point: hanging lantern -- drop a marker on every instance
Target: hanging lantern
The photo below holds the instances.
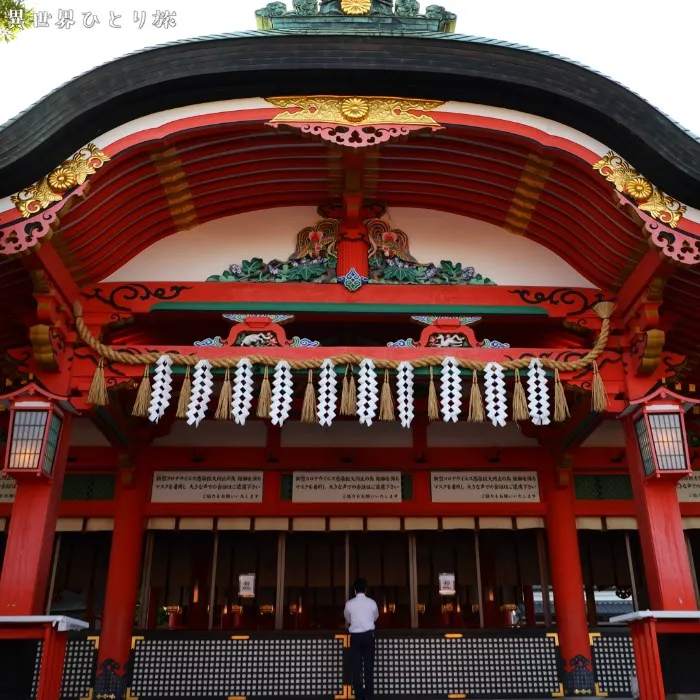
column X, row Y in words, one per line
column 659, row 425
column 37, row 421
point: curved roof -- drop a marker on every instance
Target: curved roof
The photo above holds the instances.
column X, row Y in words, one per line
column 428, row 66
column 239, row 167
column 473, row 167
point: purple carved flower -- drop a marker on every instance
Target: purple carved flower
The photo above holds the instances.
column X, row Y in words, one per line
column 274, row 271
column 235, row 269
column 430, row 271
column 295, row 263
column 468, row 273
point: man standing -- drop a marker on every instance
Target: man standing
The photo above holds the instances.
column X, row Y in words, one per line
column 361, row 613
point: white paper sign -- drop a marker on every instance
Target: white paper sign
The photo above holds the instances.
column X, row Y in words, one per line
column 447, row 584
column 207, row 487
column 346, row 487
column 8, row 486
column 689, row 489
column 246, row 585
column 480, row 487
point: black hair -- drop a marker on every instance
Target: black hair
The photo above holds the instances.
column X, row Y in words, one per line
column 360, row 586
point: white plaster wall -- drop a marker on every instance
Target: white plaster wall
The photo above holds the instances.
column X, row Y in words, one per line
column 493, row 251
column 433, row 236
column 194, row 255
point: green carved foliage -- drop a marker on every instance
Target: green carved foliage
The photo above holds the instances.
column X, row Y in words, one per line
column 382, row 271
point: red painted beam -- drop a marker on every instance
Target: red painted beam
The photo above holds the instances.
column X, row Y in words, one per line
column 653, row 264
column 553, row 302
column 46, row 259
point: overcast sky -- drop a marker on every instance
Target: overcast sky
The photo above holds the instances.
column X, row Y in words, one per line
column 651, row 47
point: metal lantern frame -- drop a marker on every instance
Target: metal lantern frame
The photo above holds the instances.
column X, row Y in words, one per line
column 659, row 426
column 37, row 421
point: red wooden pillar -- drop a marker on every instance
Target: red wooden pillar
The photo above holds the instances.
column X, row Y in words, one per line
column 567, row 584
column 647, row 660
column 666, row 562
column 25, row 569
column 122, row 583
column 52, row 662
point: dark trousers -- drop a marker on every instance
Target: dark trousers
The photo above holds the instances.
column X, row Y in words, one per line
column 362, row 658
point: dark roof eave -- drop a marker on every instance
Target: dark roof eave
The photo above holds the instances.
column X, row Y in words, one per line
column 430, row 66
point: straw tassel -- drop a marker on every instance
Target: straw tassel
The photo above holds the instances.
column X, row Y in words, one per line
column 143, row 397
column 348, row 399
column 308, row 409
column 97, row 395
column 476, row 403
column 520, row 412
column 561, row 408
column 386, row 403
column 604, row 309
column 433, row 406
column 264, row 398
column 223, row 410
column 185, row 395
column 599, row 396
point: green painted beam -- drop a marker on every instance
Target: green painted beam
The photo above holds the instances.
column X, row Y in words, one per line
column 354, row 308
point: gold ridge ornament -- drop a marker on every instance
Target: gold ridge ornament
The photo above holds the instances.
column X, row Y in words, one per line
column 646, row 196
column 53, row 187
column 355, row 121
column 356, row 8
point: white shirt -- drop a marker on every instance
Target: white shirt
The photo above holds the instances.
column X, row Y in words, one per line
column 361, row 613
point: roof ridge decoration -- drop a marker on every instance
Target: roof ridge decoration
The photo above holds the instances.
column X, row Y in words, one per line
column 658, row 213
column 316, row 15
column 355, row 122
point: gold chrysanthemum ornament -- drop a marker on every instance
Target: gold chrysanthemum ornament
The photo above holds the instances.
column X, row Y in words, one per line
column 355, row 109
column 356, row 7
column 62, row 179
column 638, row 188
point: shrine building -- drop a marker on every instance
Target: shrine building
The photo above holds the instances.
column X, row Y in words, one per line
column 350, row 295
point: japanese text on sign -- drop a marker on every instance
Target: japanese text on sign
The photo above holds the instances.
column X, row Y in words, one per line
column 207, row 487
column 246, row 585
column 689, row 489
column 346, row 487
column 484, row 487
column 8, row 486
column 447, row 584
column 67, row 18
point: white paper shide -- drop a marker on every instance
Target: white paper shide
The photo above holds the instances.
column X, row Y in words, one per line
column 207, row 487
column 484, row 487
